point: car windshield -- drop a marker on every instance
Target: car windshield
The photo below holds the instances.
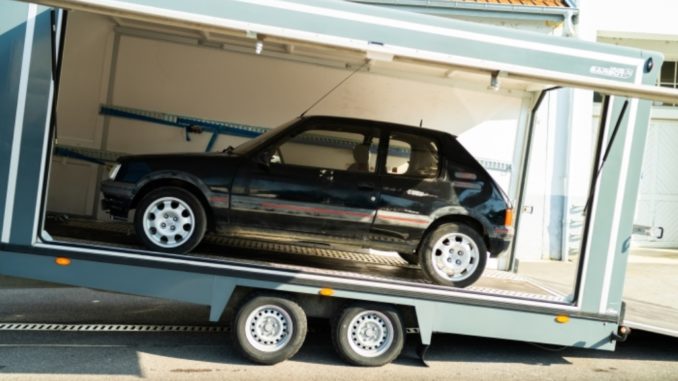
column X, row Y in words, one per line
column 255, row 142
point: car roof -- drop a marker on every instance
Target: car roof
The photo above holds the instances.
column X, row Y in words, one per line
column 399, row 127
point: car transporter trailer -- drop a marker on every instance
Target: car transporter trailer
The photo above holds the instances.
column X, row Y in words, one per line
column 369, row 313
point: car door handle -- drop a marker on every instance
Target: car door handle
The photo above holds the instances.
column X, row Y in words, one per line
column 326, row 174
column 365, row 186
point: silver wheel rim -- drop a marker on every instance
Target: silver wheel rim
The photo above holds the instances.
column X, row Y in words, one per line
column 269, row 328
column 370, row 334
column 168, row 222
column 455, row 256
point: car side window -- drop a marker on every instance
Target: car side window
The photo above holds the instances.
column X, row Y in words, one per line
column 328, row 149
column 412, row 155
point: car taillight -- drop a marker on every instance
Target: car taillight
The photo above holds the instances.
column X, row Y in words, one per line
column 508, row 218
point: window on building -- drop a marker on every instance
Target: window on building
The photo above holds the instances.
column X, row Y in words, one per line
column 669, row 77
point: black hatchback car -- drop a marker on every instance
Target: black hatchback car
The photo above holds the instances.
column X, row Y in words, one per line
column 329, row 180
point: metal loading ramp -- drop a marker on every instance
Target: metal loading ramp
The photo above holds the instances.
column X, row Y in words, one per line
column 299, row 257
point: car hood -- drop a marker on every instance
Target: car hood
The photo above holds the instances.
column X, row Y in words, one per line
column 216, row 168
column 180, row 156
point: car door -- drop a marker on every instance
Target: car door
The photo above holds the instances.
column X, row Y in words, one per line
column 411, row 187
column 309, row 181
column 354, row 190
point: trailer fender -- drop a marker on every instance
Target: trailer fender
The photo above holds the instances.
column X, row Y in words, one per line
column 222, row 289
column 426, row 312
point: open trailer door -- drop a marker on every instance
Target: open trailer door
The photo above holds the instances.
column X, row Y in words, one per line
column 394, row 44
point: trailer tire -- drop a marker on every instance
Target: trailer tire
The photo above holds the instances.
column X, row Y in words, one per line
column 368, row 334
column 171, row 220
column 269, row 329
column 454, row 254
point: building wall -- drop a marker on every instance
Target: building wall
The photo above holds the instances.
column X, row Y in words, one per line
column 550, row 195
column 650, row 26
column 649, row 19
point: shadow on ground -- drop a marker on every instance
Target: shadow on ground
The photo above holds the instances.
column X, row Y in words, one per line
column 122, row 353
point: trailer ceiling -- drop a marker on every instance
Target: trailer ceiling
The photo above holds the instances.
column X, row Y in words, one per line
column 402, row 37
column 322, row 55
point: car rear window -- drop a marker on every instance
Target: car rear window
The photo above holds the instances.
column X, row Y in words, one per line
column 412, row 155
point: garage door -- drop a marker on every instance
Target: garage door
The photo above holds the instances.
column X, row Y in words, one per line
column 658, row 195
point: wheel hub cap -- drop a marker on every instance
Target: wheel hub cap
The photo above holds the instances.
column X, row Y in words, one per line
column 168, row 222
column 269, row 328
column 370, row 333
column 455, row 256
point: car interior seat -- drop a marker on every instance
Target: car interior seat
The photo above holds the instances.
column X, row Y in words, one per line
column 361, row 155
column 423, row 162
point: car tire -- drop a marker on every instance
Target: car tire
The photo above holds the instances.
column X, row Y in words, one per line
column 269, row 329
column 454, row 254
column 368, row 334
column 171, row 220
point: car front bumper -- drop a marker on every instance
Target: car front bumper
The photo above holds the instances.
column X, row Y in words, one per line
column 117, row 198
column 500, row 240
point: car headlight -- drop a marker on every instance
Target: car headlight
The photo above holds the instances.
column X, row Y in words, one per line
column 114, row 171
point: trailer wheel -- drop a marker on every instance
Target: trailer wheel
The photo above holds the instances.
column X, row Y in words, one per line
column 453, row 254
column 170, row 219
column 368, row 334
column 269, row 330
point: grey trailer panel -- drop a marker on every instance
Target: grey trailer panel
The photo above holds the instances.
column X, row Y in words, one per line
column 36, row 119
column 344, row 25
column 214, row 290
column 28, row 129
column 13, row 57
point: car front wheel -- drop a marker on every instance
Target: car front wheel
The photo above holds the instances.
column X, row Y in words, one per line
column 453, row 254
column 170, row 219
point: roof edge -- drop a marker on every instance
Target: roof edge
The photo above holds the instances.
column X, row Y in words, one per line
column 566, row 15
column 571, row 9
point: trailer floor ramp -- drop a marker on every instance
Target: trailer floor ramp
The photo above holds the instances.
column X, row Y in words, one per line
column 296, row 256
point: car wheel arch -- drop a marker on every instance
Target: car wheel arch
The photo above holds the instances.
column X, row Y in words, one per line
column 157, row 182
column 457, row 218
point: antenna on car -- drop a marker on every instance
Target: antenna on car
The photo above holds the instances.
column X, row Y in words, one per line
column 421, row 122
column 335, row 87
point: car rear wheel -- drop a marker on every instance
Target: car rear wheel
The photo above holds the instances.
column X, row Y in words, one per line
column 368, row 334
column 453, row 254
column 270, row 329
column 170, row 219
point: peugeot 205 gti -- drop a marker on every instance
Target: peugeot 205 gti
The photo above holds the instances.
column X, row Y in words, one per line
column 331, row 180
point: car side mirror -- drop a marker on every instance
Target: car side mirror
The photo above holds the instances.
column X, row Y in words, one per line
column 275, row 159
column 263, row 158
